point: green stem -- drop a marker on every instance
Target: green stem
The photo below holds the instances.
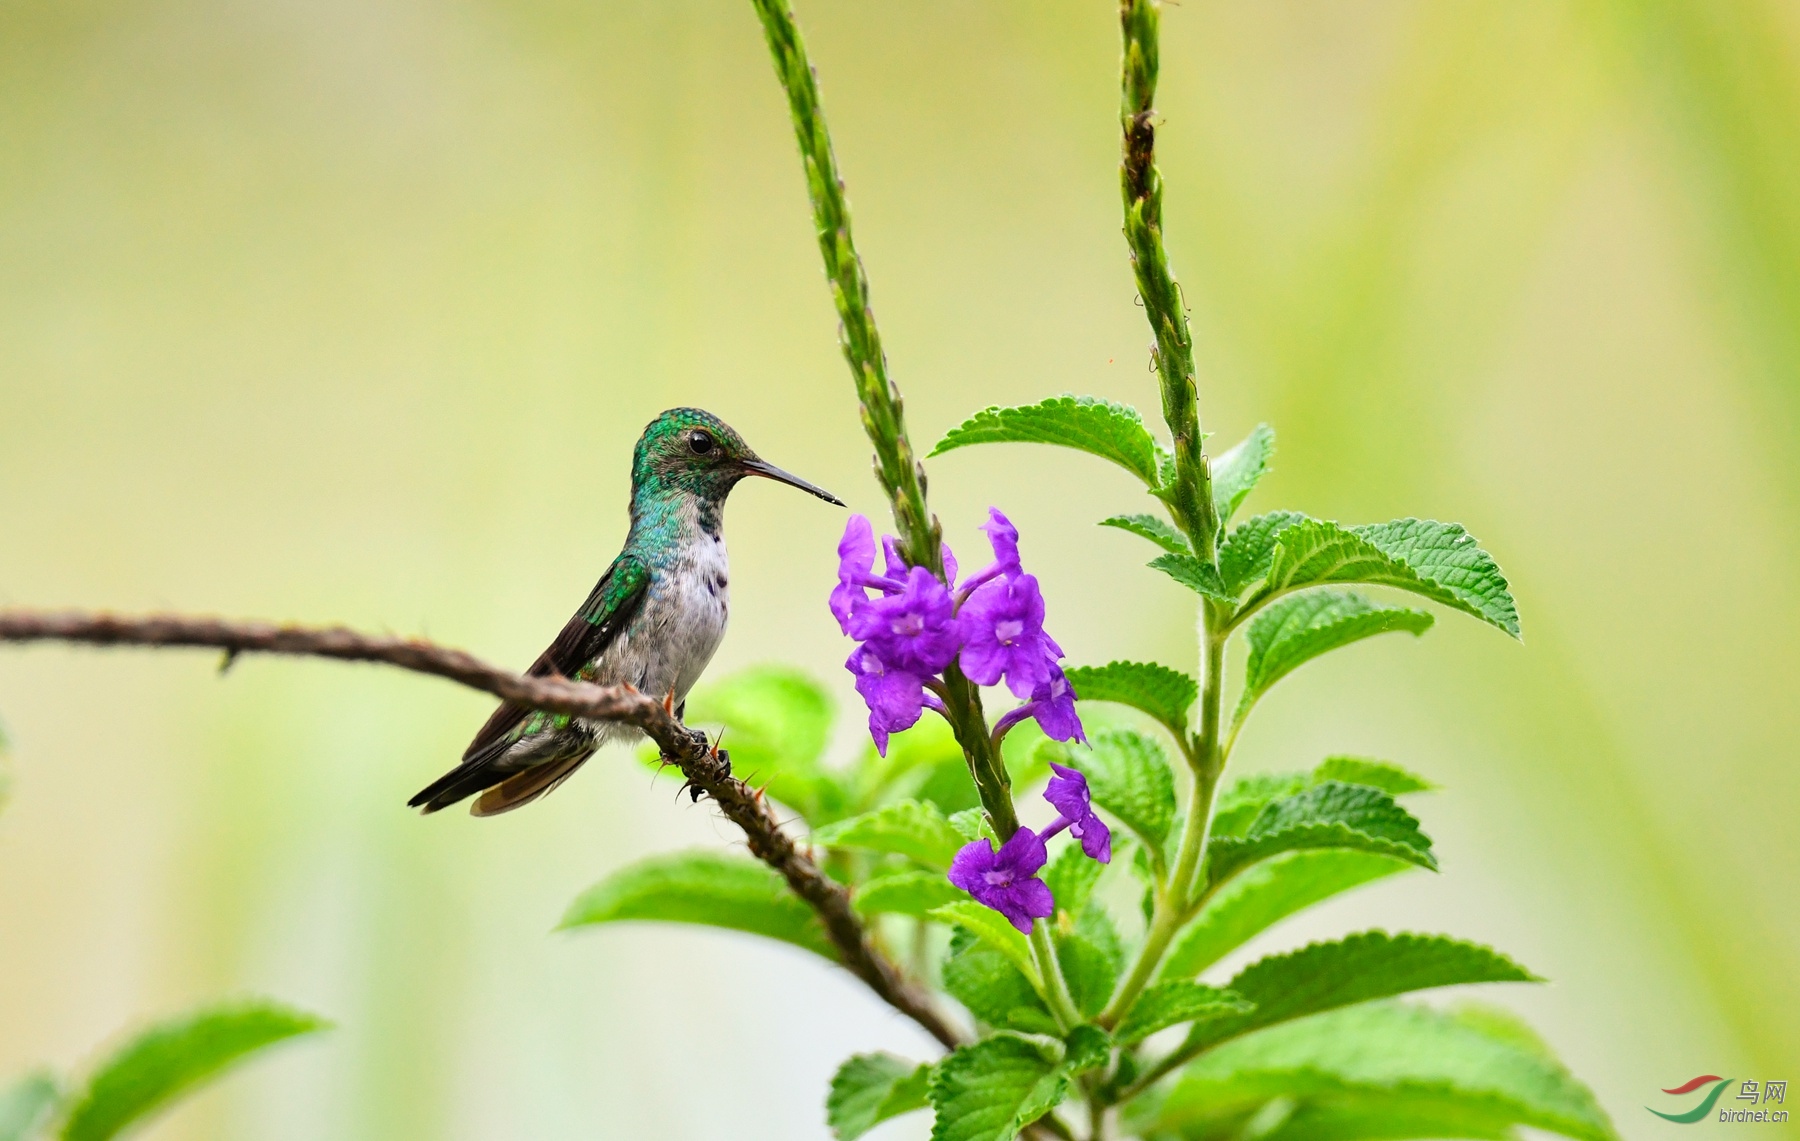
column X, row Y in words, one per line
column 1056, row 989
column 1190, row 496
column 883, row 413
column 882, row 410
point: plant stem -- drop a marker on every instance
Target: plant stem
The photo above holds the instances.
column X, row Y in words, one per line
column 882, row 410
column 1056, row 989
column 1190, row 496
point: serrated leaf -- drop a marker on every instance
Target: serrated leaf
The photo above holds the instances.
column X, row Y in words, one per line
column 1129, row 776
column 1091, row 956
column 996, row 931
column 993, row 1089
column 1263, row 895
column 972, row 824
column 870, row 1088
column 169, row 1059
column 1384, row 775
column 1236, row 473
column 776, row 722
column 1193, row 574
column 1089, row 1048
column 1158, row 531
column 1071, row 877
column 1328, row 815
column 26, row 1104
column 1163, row 693
column 1384, row 1062
column 1295, row 630
column 911, row 828
column 1100, row 427
column 905, row 893
column 1448, row 556
column 992, row 989
column 705, row 888
column 1245, row 554
column 1370, row 965
column 1439, row 561
column 1243, row 800
column 1171, row 1003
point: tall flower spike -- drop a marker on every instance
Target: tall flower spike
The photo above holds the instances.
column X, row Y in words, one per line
column 1068, row 794
column 1006, row 880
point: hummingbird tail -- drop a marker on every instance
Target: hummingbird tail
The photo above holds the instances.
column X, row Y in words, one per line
column 521, row 789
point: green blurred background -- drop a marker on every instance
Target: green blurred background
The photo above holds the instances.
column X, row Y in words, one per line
column 350, row 311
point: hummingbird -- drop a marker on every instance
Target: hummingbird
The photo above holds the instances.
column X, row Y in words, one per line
column 652, row 621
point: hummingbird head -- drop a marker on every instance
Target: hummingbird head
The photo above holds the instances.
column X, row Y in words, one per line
column 690, row 450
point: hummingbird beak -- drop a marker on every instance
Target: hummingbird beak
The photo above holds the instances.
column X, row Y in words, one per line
column 770, row 471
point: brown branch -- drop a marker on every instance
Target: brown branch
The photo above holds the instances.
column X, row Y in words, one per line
column 706, row 769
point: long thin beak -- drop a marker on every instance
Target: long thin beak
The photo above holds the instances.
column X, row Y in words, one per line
column 770, row 471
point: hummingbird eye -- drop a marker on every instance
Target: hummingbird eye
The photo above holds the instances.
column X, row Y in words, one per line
column 700, row 441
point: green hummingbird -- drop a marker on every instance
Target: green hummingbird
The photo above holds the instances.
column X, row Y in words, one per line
column 652, row 621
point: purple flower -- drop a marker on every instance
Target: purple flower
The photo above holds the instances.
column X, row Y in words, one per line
column 856, row 558
column 914, row 629
column 894, row 697
column 1053, row 704
column 1004, row 538
column 1068, row 794
column 1003, row 634
column 1006, row 880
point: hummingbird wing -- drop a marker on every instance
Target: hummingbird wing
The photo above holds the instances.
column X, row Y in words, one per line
column 609, row 608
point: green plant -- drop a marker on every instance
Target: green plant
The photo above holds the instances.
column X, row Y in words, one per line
column 1099, row 1007
column 146, row 1074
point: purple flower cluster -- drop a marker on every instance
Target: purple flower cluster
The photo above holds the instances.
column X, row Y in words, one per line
column 1006, row 880
column 916, row 625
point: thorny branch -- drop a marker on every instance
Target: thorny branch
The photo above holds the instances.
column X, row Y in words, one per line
column 706, row 769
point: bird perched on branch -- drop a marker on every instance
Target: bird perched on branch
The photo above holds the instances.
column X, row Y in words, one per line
column 652, row 621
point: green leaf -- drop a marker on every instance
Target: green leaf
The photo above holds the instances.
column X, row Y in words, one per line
column 1238, row 471
column 1091, row 956
column 992, row 989
column 1419, row 1072
column 996, row 931
column 172, row 1058
column 1111, row 431
column 1373, row 964
column 993, row 1089
column 777, row 723
column 870, row 1088
column 1171, row 1003
column 911, row 828
column 1071, row 877
column 25, row 1105
column 1158, row 531
column 1193, row 574
column 1088, row 1048
column 1328, row 815
column 1295, row 630
column 1439, row 561
column 1163, row 693
column 1243, row 799
column 972, row 824
column 905, row 893
column 1263, row 895
column 1389, row 778
column 1245, row 554
column 1446, row 555
column 706, row 888
column 1129, row 776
